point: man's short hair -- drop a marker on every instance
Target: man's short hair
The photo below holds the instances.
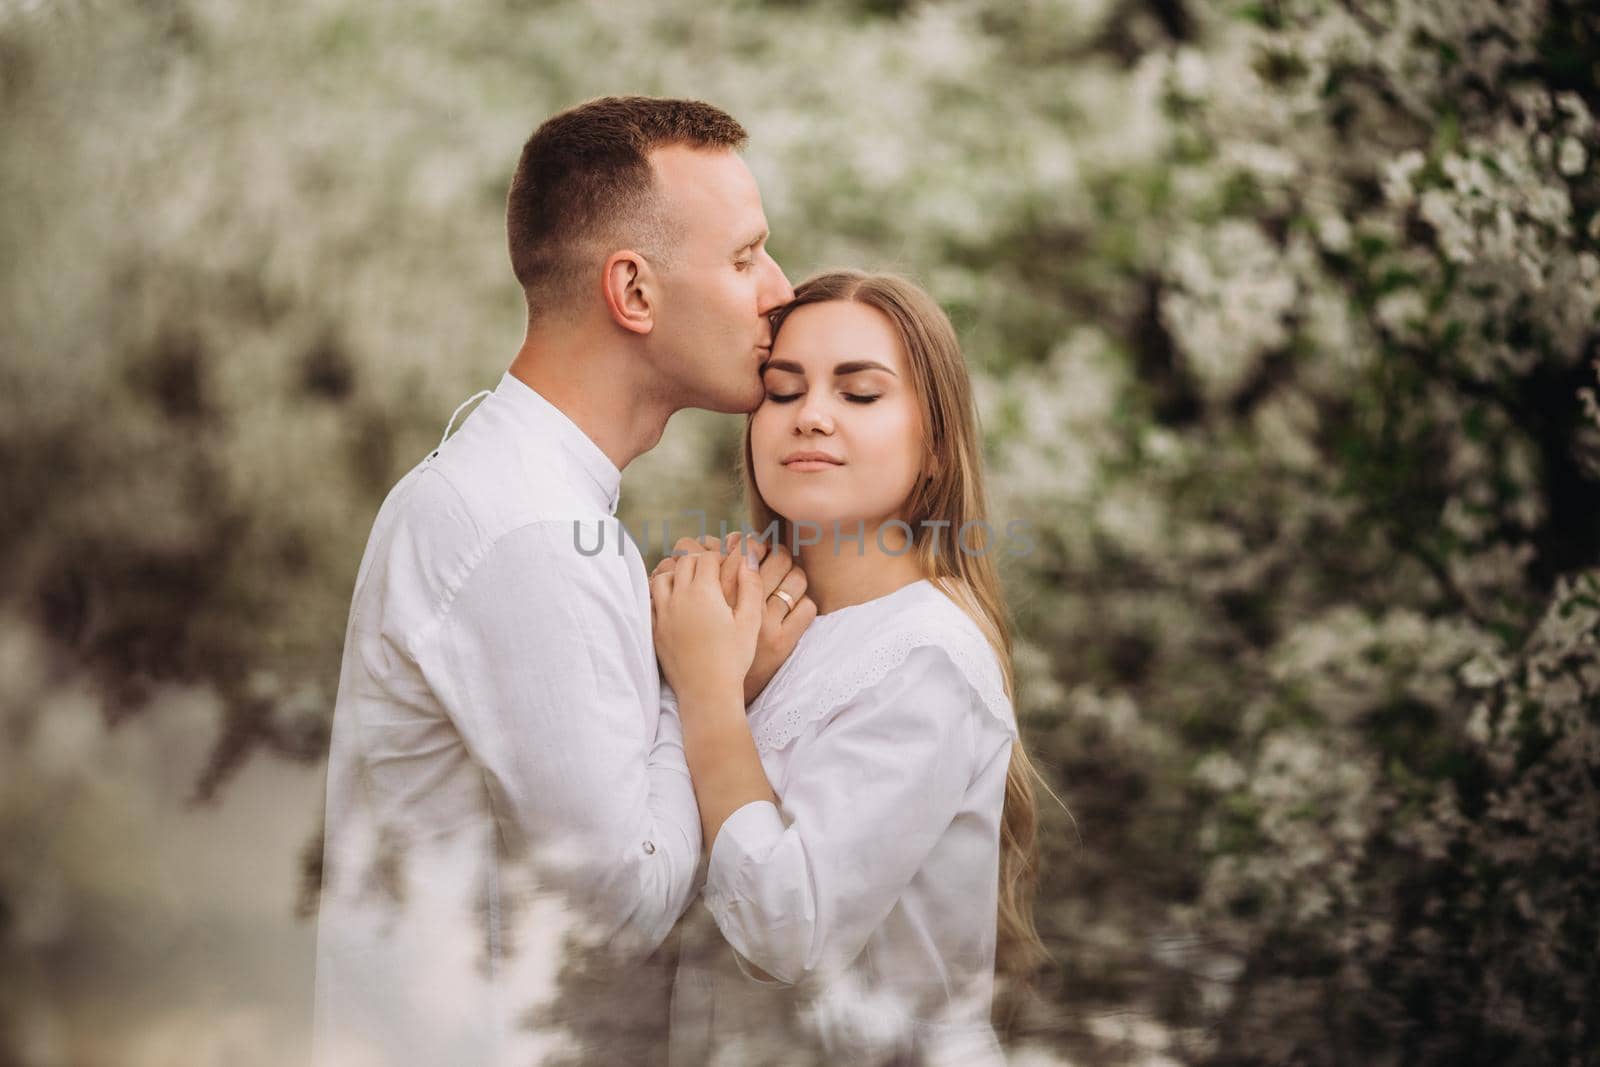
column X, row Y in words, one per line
column 584, row 188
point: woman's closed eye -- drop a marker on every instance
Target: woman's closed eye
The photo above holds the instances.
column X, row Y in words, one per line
column 854, row 398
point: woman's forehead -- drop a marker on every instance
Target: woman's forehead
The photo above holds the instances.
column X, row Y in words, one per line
column 820, row 337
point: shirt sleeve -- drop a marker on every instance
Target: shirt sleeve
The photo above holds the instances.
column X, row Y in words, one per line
column 868, row 795
column 538, row 661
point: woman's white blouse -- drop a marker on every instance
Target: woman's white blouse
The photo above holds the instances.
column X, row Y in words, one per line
column 868, row 893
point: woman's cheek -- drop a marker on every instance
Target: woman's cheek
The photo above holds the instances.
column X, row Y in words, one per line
column 763, row 462
column 907, row 450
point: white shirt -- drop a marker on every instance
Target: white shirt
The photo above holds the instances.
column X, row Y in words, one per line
column 869, row 892
column 501, row 773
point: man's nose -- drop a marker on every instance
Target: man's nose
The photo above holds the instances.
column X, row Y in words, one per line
column 779, row 291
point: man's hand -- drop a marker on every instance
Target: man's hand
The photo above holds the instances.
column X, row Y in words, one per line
column 781, row 625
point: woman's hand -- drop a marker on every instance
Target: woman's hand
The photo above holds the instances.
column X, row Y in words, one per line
column 783, row 583
column 704, row 643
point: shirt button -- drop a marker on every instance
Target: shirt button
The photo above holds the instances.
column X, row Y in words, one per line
column 649, row 848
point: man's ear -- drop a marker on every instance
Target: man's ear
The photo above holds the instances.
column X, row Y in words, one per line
column 630, row 291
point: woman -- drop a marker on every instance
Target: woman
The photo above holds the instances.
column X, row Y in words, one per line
column 870, row 820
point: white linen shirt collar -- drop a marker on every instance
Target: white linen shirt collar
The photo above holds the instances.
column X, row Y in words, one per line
column 528, row 406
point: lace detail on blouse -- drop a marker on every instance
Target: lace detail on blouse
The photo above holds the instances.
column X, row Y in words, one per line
column 964, row 644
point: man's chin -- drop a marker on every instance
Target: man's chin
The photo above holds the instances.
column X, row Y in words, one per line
column 741, row 405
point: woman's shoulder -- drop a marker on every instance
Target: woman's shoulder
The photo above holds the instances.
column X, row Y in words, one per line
column 916, row 638
column 935, row 621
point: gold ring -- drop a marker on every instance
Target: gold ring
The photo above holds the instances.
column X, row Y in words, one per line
column 787, row 599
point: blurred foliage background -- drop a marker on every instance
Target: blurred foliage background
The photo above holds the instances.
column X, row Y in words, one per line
column 1285, row 318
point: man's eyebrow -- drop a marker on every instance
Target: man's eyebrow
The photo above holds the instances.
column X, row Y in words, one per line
column 757, row 239
column 851, row 367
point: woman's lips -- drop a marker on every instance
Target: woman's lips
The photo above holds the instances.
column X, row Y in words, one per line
column 811, row 459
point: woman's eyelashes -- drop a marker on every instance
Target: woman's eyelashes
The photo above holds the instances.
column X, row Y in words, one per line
column 854, row 398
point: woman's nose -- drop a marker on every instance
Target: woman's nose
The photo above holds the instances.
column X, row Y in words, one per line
column 812, row 417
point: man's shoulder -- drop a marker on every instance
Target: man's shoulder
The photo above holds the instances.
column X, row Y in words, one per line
column 492, row 491
column 507, row 475
column 458, row 522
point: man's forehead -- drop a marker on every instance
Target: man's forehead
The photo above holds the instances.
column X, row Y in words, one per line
column 701, row 178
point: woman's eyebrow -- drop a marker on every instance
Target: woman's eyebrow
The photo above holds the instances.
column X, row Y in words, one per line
column 851, row 367
column 857, row 365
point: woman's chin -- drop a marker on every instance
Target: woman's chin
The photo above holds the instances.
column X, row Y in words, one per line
column 794, row 516
column 823, row 510
column 824, row 519
column 792, row 506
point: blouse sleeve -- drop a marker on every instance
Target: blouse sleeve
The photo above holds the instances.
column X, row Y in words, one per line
column 868, row 795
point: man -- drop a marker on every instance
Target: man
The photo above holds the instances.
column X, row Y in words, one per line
column 502, row 781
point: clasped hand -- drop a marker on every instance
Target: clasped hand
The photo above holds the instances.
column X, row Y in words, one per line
column 716, row 623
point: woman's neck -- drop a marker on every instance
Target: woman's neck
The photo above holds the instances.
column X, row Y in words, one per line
column 846, row 571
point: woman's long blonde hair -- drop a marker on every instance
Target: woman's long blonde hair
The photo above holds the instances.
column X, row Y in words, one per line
column 953, row 493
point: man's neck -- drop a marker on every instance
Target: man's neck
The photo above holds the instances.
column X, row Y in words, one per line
column 598, row 387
